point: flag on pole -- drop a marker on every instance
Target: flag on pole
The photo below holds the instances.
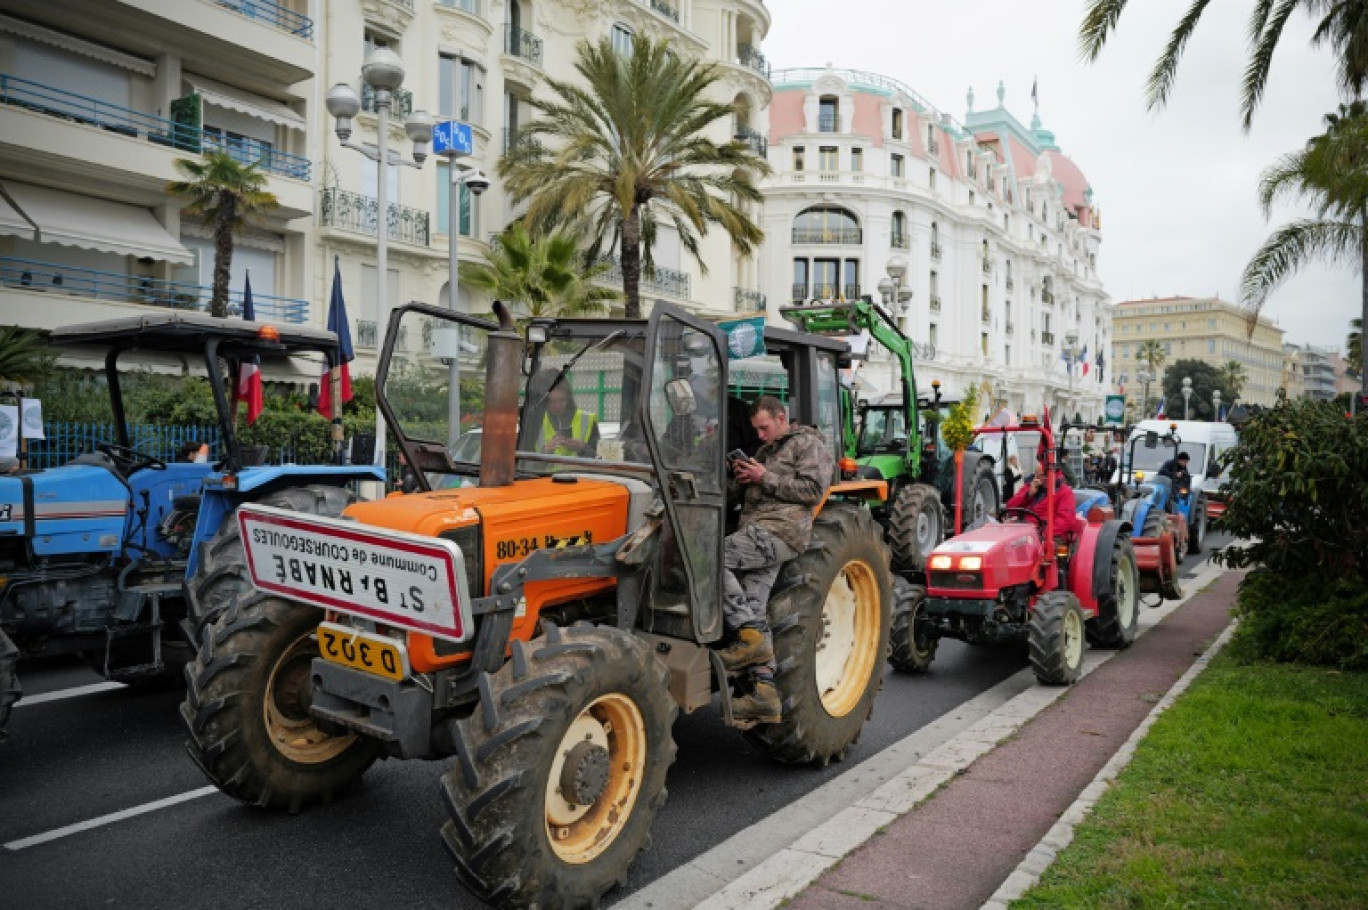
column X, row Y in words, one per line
column 1084, row 358
column 1224, row 412
column 1035, row 98
column 248, row 387
column 1101, row 365
column 337, row 323
column 1159, row 415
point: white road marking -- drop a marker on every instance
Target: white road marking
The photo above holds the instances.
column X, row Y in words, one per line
column 74, row 692
column 56, row 833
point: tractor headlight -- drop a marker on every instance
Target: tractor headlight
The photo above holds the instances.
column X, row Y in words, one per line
column 971, row 563
column 941, row 562
column 469, row 539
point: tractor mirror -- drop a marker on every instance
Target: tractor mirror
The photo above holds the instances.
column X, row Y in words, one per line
column 680, row 396
column 1151, row 440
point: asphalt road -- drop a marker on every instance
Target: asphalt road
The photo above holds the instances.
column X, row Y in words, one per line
column 73, row 760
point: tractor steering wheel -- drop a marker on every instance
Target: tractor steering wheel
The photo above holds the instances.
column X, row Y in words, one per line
column 128, row 460
column 1023, row 513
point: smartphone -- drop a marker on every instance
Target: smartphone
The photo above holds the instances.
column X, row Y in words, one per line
column 736, row 455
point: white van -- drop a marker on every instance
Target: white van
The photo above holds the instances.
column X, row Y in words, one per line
column 1203, row 441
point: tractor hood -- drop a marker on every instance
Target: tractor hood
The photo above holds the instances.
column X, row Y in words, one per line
column 987, row 558
column 83, row 505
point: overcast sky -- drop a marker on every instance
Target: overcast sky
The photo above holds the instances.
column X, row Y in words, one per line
column 1176, row 188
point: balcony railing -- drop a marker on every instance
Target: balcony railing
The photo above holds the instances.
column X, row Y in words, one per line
column 666, row 10
column 1011, row 328
column 663, row 281
column 987, row 265
column 469, row 6
column 800, row 292
column 750, row 57
column 360, row 214
column 851, row 291
column 749, row 301
column 368, row 336
column 518, row 43
column 844, row 236
column 1047, row 338
column 935, row 251
column 401, row 102
column 55, row 102
column 935, row 303
column 1010, row 283
column 273, row 14
column 986, row 316
column 513, row 138
column 52, row 277
column 826, row 123
column 1047, row 297
column 899, row 242
column 758, row 143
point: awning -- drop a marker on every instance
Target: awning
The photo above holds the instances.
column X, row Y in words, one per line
column 220, row 95
column 93, row 224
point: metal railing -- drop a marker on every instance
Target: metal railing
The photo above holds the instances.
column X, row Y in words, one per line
column 281, row 17
column 1010, row 328
column 899, row 242
column 666, row 10
column 1047, row 338
column 935, row 303
column 935, row 251
column 1047, row 297
column 800, row 292
column 749, row 56
column 855, row 78
column 748, row 301
column 1010, row 284
column 55, row 102
column 513, row 138
column 852, row 291
column 406, row 4
column 368, row 335
column 52, row 277
column 663, row 280
column 354, row 212
column 469, row 6
column 401, row 102
column 758, row 143
column 519, row 43
column 986, row 316
column 845, row 236
column 987, row 265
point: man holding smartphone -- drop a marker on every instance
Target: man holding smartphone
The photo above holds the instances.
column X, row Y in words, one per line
column 779, row 488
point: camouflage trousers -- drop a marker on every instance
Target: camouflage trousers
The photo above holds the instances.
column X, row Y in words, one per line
column 752, row 557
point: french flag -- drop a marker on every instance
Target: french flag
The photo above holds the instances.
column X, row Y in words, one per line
column 249, row 370
column 337, row 323
column 1160, row 414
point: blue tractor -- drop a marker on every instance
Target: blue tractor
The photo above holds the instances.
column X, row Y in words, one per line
column 98, row 556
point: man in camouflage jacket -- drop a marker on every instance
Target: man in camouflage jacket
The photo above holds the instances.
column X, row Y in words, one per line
column 779, row 487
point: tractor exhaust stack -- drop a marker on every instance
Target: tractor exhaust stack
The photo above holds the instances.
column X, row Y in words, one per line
column 503, row 371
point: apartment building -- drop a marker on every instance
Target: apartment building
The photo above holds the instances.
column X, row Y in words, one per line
column 1208, row 329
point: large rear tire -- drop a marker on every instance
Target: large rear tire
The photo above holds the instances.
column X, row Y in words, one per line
column 249, row 687
column 911, row 650
column 1055, row 635
column 1197, row 528
column 979, row 485
column 916, row 525
column 560, row 770
column 10, row 691
column 830, row 633
column 1117, row 608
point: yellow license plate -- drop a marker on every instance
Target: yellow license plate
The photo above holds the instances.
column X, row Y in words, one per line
column 362, row 651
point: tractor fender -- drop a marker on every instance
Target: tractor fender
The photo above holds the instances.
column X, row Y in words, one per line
column 1089, row 573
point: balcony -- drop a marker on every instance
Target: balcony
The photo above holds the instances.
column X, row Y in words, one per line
column 368, row 335
column 664, row 281
column 1047, row 338
column 1047, row 297
column 665, row 9
column 55, row 278
column 751, row 301
column 758, row 143
column 800, row 293
column 751, row 58
column 987, row 266
column 935, row 303
column 64, row 105
column 899, row 242
column 1010, row 284
column 935, row 251
column 273, row 14
column 522, row 44
column 360, row 214
column 401, row 102
column 841, row 236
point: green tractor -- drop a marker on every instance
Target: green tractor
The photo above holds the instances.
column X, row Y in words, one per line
column 897, row 439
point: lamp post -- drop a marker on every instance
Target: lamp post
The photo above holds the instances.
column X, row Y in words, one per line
column 896, row 299
column 1145, row 377
column 383, row 71
column 1071, row 358
column 1216, row 405
column 1187, row 395
column 477, row 183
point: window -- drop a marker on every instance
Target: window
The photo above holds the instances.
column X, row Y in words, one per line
column 826, row 116
column 895, row 165
column 851, row 279
column 460, row 91
column 797, row 157
column 1211, row 323
column 935, row 284
column 899, row 232
column 800, row 279
column 374, row 39
column 972, row 197
column 1211, row 345
column 931, row 334
column 983, row 343
column 931, row 178
column 1007, row 355
column 856, row 160
column 827, row 161
column 622, row 39
column 370, row 180
column 470, row 205
column 897, row 123
column 824, row 278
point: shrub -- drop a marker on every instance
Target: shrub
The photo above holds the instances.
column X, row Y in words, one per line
column 1317, row 619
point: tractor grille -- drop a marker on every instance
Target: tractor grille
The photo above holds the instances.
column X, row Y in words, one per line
column 958, row 581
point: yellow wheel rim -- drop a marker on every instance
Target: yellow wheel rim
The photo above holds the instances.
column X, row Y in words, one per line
column 848, row 642
column 293, row 730
column 603, row 750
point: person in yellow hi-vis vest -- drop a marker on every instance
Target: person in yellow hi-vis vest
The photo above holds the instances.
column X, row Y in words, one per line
column 566, row 430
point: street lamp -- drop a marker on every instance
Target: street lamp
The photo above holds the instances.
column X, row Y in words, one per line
column 896, row 299
column 383, row 71
column 1071, row 358
column 1187, row 395
column 477, row 183
column 1216, row 404
column 1145, row 376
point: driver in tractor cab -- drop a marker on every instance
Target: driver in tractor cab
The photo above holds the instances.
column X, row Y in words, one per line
column 1176, row 470
column 1032, row 496
column 566, row 430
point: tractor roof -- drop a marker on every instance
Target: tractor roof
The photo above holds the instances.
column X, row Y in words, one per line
column 188, row 333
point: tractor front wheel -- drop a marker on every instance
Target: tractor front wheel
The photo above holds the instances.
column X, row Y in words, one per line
column 1197, row 528
column 911, row 647
column 1055, row 635
column 560, row 770
column 916, row 525
column 9, row 679
column 830, row 636
column 1117, row 617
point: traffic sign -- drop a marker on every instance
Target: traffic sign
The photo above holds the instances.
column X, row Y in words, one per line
column 452, row 137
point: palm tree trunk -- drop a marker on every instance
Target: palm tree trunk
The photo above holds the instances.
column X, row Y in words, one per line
column 631, row 263
column 1363, row 325
column 223, row 258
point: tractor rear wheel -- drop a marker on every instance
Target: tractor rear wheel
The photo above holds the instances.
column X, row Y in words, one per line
column 249, row 687
column 1197, row 527
column 911, row 649
column 1055, row 635
column 1117, row 617
column 916, row 525
column 830, row 637
column 561, row 769
column 9, row 680
column 979, row 485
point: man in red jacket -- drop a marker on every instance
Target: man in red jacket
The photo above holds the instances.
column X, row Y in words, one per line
column 1032, row 496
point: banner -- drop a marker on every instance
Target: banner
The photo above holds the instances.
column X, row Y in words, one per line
column 31, row 419
column 1115, row 410
column 745, row 337
column 9, row 430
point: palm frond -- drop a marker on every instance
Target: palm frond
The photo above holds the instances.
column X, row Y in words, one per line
column 1261, row 56
column 1292, row 247
column 1160, row 81
column 1099, row 21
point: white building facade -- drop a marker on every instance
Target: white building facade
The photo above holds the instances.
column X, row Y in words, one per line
column 989, row 227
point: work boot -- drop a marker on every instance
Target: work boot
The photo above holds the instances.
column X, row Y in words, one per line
column 750, row 648
column 761, row 706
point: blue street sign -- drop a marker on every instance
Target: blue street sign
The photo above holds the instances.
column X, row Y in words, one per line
column 452, row 137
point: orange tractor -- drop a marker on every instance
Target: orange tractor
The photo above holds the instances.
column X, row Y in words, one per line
column 539, row 616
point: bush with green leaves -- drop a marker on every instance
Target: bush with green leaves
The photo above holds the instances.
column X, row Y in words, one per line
column 1298, row 505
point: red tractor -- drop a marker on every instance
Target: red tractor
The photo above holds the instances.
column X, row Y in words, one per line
column 1022, row 579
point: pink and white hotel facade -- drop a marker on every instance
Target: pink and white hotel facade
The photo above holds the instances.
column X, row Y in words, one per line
column 989, row 227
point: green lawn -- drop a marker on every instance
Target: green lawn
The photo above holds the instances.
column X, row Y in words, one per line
column 1250, row 792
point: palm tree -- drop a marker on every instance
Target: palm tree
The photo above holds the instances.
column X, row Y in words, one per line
column 24, row 355
column 1331, row 173
column 1232, row 377
column 224, row 192
column 628, row 152
column 1353, row 344
column 1151, row 355
column 1343, row 25
column 543, row 274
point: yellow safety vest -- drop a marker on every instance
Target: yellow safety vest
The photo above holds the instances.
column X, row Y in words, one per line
column 581, row 426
